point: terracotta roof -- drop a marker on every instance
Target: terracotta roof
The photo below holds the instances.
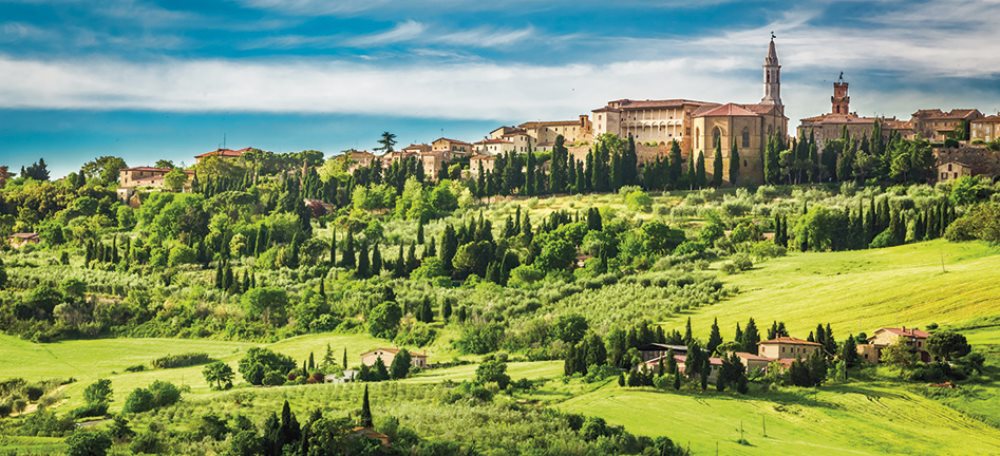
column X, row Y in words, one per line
column 988, row 119
column 728, row 109
column 456, row 141
column 628, row 104
column 980, row 161
column 683, row 358
column 656, row 346
column 394, row 351
column 224, row 153
column 493, row 141
column 790, row 341
column 418, row 147
column 149, row 168
column 751, row 356
column 939, row 114
column 549, row 123
column 831, row 118
column 24, row 235
column 907, row 332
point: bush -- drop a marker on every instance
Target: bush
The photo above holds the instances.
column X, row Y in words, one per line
column 88, row 443
column 481, row 338
column 259, row 362
column 182, row 360
column 980, row 222
column 159, row 394
column 90, row 409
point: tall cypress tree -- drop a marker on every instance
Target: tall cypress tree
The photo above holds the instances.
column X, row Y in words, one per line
column 717, row 166
column 714, row 337
column 676, row 164
column 700, row 178
column 734, row 165
column 366, row 410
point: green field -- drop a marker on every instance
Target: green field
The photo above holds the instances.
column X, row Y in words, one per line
column 866, row 289
column 862, row 419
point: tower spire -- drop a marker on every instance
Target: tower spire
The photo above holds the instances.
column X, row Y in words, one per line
column 772, row 75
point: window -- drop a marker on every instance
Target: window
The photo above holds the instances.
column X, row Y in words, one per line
column 716, row 137
column 949, row 166
column 746, row 137
column 697, row 138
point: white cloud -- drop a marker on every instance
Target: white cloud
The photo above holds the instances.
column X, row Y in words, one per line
column 405, row 31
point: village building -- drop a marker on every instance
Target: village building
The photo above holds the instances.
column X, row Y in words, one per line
column 417, row 148
column 433, row 162
column 655, row 350
column 224, row 153
column 18, row 240
column 356, row 159
column 369, row 358
column 985, row 129
column 714, row 363
column 454, row 147
column 967, row 161
column 884, row 337
column 544, row 133
column 131, row 180
column 831, row 126
column 753, row 363
column 787, row 348
column 481, row 163
column 492, row 146
column 388, row 158
column 936, row 125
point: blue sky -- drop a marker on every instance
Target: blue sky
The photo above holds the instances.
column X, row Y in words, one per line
column 144, row 79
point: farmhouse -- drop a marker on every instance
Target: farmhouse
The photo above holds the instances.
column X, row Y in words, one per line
column 18, row 240
column 884, row 337
column 937, row 125
column 145, row 177
column 967, row 161
column 452, row 146
column 715, row 363
column 753, row 363
column 654, row 350
column 388, row 354
column 787, row 348
column 223, row 153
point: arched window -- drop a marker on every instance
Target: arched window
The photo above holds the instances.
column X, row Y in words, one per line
column 697, row 138
column 716, row 137
column 746, row 137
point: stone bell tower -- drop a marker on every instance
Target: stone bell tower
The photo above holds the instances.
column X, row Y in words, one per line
column 841, row 100
column 772, row 76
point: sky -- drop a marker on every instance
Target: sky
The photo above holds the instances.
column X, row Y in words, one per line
column 147, row 79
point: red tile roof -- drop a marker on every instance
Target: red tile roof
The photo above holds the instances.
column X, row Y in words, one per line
column 224, row 153
column 907, row 332
column 149, row 169
column 752, row 356
column 456, row 141
column 628, row 104
column 988, row 119
column 789, row 341
column 839, row 119
column 394, row 351
column 728, row 109
column 494, row 141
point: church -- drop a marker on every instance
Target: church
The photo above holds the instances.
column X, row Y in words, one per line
column 700, row 126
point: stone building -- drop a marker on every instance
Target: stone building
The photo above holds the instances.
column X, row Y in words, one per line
column 224, row 153
column 698, row 126
column 967, row 161
column 493, row 146
column 369, row 358
column 454, row 147
column 830, row 126
column 544, row 133
column 936, row 125
column 787, row 348
column 356, row 159
column 985, row 129
column 130, row 180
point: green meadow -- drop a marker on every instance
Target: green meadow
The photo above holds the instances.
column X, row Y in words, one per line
column 911, row 285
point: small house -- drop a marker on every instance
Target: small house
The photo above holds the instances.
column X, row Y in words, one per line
column 787, row 348
column 18, row 240
column 388, row 354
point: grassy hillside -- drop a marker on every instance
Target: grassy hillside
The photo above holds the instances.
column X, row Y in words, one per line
column 859, row 419
column 863, row 290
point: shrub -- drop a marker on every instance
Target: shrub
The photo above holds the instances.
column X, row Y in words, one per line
column 182, row 360
column 88, row 443
column 259, row 362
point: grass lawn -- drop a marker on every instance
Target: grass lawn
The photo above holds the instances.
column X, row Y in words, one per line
column 860, row 419
column 864, row 290
column 532, row 370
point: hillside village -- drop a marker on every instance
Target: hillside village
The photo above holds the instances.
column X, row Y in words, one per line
column 544, row 277
column 965, row 142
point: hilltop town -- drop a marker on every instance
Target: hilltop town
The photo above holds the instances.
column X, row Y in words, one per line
column 666, row 277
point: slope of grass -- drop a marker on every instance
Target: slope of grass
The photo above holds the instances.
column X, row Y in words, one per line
column 864, row 290
column 856, row 419
column 532, row 370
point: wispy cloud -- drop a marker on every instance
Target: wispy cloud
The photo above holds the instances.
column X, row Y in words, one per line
column 405, row 31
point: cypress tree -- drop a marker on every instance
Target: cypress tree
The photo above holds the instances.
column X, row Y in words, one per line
column 366, row 410
column 344, row 361
column 687, row 332
column 363, row 269
column 714, row 338
column 734, row 165
column 399, row 267
column 717, row 166
column 376, row 263
column 700, row 178
column 676, row 163
column 751, row 337
column 420, row 232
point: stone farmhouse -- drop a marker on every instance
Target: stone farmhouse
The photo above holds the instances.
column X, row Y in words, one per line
column 18, row 240
column 369, row 358
column 884, row 337
column 132, row 180
column 985, row 129
column 224, row 153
